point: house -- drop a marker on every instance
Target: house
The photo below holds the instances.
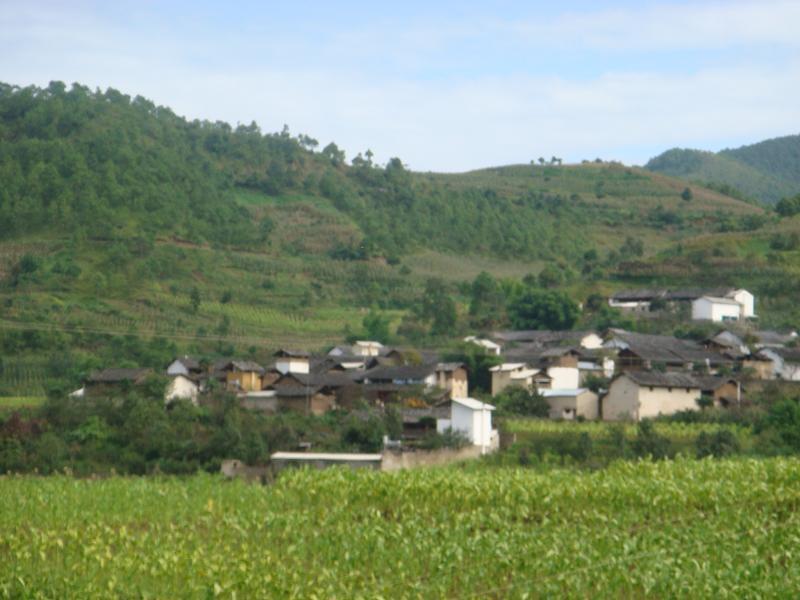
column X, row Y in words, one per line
column 187, row 366
column 727, row 343
column 569, row 404
column 488, row 345
column 638, row 395
column 451, row 377
column 292, row 361
column 733, row 306
column 559, row 363
column 546, row 339
column 635, row 300
column 637, row 351
column 774, row 339
column 785, row 362
column 520, row 374
column 474, row 419
column 111, row 381
column 367, row 348
column 313, row 400
column 724, row 391
column 595, row 363
column 182, row 387
column 241, row 375
column 710, row 308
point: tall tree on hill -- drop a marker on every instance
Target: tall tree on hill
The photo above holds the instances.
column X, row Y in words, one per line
column 536, row 309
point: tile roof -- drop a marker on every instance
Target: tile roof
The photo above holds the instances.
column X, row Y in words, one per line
column 655, row 379
column 118, row 375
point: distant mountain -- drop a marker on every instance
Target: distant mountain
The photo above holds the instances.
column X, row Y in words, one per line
column 766, row 171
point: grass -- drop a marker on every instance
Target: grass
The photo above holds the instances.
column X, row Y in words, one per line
column 14, row 402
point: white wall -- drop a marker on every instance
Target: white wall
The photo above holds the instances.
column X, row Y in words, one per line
column 564, row 378
column 626, row 399
column 181, row 388
column 475, row 424
column 287, row 364
column 592, row 342
column 747, row 300
column 704, row 309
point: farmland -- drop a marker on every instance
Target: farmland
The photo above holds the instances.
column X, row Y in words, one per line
column 674, row 528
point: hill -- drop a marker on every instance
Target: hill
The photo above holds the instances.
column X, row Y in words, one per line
column 130, row 234
column 766, row 171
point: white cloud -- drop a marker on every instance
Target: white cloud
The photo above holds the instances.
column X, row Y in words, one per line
column 476, row 119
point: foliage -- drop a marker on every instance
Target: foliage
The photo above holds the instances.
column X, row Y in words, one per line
column 536, row 309
column 633, row 530
column 516, row 400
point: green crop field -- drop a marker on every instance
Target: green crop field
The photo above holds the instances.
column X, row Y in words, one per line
column 711, row 529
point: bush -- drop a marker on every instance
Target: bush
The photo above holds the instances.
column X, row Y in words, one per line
column 516, row 400
column 719, row 444
column 648, row 443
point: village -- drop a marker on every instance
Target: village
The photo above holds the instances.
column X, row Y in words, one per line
column 612, row 375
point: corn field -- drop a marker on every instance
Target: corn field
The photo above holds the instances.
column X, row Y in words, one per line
column 692, row 529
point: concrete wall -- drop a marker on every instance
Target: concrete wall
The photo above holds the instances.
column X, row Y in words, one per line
column 475, row 424
column 182, row 388
column 748, row 302
column 564, row 378
column 249, row 381
column 585, row 404
column 500, row 381
column 286, row 364
column 626, row 399
column 622, row 400
column 393, row 461
column 704, row 309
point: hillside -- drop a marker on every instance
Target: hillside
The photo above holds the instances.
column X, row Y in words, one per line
column 130, row 234
column 766, row 171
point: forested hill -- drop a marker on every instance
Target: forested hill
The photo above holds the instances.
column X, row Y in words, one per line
column 766, row 171
column 105, row 166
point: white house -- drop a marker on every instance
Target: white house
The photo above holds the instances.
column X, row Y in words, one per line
column 641, row 394
column 735, row 305
column 367, row 348
column 181, row 388
column 474, row 419
column 571, row 404
column 291, row 361
column 185, row 365
column 488, row 345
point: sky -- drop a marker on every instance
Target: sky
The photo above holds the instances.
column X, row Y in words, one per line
column 444, row 86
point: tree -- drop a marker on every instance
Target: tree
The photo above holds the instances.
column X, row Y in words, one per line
column 516, row 400
column 632, row 247
column 536, row 309
column 486, row 300
column 437, row 307
column 376, row 326
column 334, row 154
column 194, row 299
column 788, row 207
column 551, row 276
column 686, row 194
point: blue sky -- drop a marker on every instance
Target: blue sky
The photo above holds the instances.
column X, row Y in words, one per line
column 446, row 86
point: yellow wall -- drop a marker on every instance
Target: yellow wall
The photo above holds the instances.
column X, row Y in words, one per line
column 249, row 381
